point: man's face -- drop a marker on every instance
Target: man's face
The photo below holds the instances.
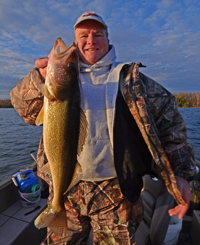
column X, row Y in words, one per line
column 92, row 41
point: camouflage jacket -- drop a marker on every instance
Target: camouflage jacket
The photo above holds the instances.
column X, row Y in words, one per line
column 154, row 110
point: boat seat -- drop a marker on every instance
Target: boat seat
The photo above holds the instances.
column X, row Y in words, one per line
column 156, row 201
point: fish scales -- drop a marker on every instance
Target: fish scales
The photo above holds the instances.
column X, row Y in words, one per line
column 61, row 121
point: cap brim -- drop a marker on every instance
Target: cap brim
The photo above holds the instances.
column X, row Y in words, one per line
column 90, row 18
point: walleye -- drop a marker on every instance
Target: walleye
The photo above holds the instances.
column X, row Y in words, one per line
column 64, row 131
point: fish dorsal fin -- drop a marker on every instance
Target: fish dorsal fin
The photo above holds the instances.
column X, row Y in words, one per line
column 40, row 118
column 44, row 90
column 77, row 175
column 82, row 131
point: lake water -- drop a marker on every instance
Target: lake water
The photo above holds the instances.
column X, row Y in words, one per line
column 18, row 138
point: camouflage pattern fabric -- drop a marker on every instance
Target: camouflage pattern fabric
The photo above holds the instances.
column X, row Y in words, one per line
column 27, row 98
column 99, row 205
column 136, row 97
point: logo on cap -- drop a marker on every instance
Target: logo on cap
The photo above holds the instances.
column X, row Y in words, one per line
column 90, row 14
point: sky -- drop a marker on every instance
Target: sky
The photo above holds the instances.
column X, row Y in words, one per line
column 163, row 35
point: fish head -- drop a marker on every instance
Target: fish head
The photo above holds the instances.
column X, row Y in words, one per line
column 62, row 70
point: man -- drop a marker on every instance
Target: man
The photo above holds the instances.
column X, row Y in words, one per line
column 118, row 151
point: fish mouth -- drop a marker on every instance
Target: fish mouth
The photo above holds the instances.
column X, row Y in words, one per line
column 60, row 53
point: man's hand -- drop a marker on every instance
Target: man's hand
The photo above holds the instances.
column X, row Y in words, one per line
column 41, row 64
column 183, row 187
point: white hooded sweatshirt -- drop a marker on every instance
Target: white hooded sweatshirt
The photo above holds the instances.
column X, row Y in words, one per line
column 99, row 88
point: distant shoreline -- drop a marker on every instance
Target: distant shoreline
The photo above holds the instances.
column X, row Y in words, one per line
column 6, row 104
column 190, row 99
column 184, row 100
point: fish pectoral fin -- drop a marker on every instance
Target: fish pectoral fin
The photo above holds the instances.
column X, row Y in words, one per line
column 40, row 118
column 55, row 220
column 77, row 175
column 44, row 90
column 82, row 131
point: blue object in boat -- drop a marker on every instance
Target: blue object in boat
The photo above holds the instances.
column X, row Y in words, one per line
column 26, row 180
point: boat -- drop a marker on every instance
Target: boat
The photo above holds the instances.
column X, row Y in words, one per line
column 17, row 222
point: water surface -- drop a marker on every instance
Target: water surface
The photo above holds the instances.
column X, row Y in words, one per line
column 18, row 138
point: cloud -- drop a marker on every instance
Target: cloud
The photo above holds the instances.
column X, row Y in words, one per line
column 164, row 35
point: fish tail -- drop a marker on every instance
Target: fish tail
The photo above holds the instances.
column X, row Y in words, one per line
column 55, row 220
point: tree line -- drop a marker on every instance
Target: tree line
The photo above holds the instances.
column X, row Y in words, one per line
column 5, row 104
column 191, row 99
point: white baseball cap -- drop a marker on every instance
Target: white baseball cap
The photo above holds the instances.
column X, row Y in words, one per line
column 90, row 15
